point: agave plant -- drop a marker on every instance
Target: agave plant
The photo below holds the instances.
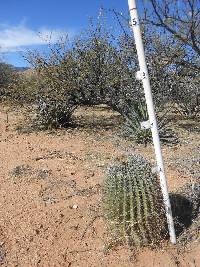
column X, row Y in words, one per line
column 137, row 114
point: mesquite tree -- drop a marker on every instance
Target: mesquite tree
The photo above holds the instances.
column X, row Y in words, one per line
column 181, row 21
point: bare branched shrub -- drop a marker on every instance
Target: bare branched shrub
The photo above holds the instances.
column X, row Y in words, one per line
column 179, row 21
column 178, row 24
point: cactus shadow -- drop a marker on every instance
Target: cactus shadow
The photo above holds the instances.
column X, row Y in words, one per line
column 182, row 211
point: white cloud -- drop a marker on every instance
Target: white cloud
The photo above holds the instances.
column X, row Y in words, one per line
column 15, row 38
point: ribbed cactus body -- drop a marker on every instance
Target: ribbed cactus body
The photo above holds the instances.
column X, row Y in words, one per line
column 133, row 203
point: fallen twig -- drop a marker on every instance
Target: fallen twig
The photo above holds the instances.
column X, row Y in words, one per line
column 89, row 225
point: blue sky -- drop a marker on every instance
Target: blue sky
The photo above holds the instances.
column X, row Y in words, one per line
column 22, row 21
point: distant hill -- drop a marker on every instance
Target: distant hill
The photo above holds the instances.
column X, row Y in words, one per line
column 21, row 68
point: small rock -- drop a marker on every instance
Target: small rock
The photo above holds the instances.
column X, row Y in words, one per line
column 37, row 231
column 75, row 207
column 39, row 158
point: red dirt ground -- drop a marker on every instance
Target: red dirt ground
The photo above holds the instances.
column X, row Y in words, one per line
column 50, row 196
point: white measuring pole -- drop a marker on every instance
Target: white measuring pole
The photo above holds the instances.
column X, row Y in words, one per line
column 143, row 75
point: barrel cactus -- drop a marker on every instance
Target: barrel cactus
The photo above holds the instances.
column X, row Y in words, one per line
column 133, row 203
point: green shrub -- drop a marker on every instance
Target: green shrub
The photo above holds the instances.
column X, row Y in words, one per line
column 186, row 93
column 54, row 109
column 8, row 77
column 87, row 71
column 133, row 203
column 56, row 96
column 17, row 87
column 98, row 67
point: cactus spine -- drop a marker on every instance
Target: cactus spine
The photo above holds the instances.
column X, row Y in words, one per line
column 133, row 204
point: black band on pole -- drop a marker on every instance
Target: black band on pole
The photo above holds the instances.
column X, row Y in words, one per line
column 132, row 8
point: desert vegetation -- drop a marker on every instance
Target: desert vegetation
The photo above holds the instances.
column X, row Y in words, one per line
column 73, row 122
column 133, row 203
